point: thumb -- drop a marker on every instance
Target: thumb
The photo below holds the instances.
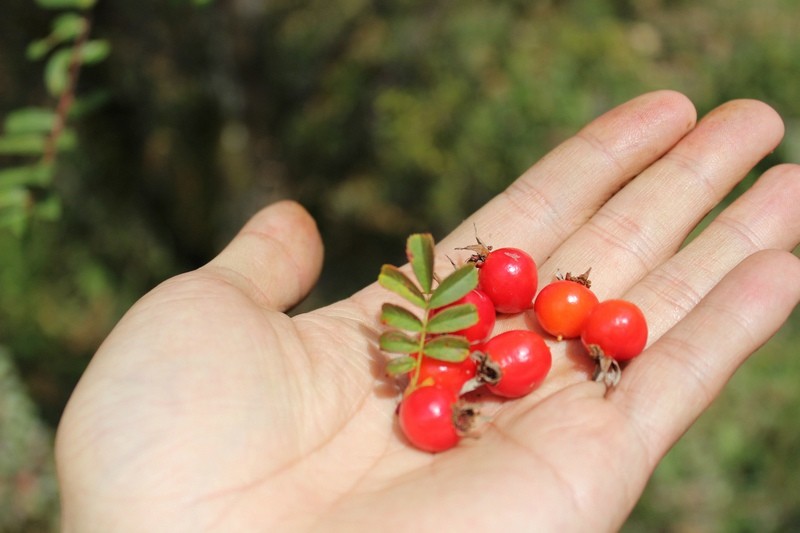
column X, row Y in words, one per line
column 276, row 258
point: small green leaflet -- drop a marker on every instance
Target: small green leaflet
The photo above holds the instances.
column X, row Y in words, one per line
column 56, row 71
column 33, row 144
column 67, row 26
column 419, row 250
column 453, row 319
column 29, row 120
column 66, row 4
column 27, row 144
column 38, row 175
column 95, row 51
column 391, row 278
column 15, row 198
column 455, row 286
column 400, row 365
column 15, row 220
column 399, row 317
column 57, row 68
column 398, row 342
column 48, row 209
column 38, row 49
column 453, row 348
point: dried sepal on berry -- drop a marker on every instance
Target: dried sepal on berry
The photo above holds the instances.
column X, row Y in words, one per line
column 479, row 251
column 607, row 370
column 583, row 279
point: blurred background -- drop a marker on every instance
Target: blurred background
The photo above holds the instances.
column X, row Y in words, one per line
column 382, row 117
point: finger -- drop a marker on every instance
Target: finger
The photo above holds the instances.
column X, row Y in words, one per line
column 764, row 217
column 275, row 259
column 565, row 188
column 646, row 222
column 664, row 390
column 560, row 192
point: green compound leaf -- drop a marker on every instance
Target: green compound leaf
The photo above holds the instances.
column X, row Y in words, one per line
column 453, row 319
column 419, row 249
column 399, row 317
column 400, row 365
column 455, row 286
column 398, row 342
column 453, row 348
column 391, row 278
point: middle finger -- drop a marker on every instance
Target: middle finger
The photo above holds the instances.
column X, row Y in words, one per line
column 646, row 222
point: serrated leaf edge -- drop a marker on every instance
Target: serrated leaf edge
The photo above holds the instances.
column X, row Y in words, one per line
column 455, row 286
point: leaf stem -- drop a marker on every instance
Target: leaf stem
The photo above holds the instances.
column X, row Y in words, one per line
column 421, row 346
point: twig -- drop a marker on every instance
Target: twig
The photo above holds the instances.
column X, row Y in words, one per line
column 67, row 97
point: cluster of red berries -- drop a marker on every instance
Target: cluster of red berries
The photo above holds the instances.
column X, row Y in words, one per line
column 449, row 350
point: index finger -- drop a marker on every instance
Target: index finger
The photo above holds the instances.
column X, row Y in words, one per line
column 558, row 194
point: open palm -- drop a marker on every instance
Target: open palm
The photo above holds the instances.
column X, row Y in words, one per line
column 209, row 409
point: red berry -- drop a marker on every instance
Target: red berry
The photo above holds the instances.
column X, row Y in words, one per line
column 486, row 315
column 516, row 362
column 509, row 278
column 563, row 307
column 446, row 374
column 615, row 328
column 428, row 418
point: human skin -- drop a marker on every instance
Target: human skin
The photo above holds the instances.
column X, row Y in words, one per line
column 207, row 408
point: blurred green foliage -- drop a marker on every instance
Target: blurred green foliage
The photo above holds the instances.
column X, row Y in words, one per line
column 33, row 137
column 383, row 118
column 28, row 492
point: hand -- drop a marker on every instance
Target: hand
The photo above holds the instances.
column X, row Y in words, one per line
column 207, row 408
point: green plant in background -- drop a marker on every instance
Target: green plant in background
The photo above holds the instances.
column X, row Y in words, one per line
column 33, row 136
column 384, row 118
column 31, row 140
